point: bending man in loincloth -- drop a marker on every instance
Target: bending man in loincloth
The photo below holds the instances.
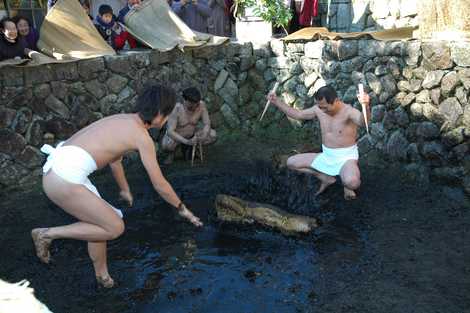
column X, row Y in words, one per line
column 68, row 166
column 183, row 122
column 338, row 123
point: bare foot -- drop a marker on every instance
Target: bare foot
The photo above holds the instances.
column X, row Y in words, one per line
column 105, row 281
column 325, row 183
column 349, row 194
column 42, row 243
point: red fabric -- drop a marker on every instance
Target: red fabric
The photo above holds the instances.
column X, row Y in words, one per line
column 309, row 10
column 120, row 40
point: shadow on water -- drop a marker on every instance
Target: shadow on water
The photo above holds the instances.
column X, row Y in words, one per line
column 163, row 264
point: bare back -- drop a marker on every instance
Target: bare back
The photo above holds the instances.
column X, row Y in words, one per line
column 339, row 130
column 109, row 138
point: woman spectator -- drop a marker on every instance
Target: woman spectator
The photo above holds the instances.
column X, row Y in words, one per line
column 25, row 30
column 219, row 22
column 12, row 46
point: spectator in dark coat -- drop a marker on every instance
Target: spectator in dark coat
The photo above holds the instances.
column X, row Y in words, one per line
column 12, row 46
column 194, row 13
column 25, row 30
column 131, row 4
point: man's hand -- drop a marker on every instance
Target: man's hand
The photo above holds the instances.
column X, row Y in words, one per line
column 184, row 212
column 193, row 141
column 137, row 7
column 272, row 97
column 127, row 196
column 363, row 99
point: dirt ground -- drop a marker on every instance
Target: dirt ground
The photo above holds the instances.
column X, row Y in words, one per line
column 400, row 247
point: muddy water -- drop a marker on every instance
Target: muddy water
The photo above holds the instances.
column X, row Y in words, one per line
column 399, row 248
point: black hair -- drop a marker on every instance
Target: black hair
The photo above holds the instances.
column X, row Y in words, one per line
column 105, row 9
column 18, row 18
column 155, row 99
column 326, row 92
column 191, row 94
column 4, row 20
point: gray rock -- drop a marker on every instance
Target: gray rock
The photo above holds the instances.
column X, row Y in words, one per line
column 420, row 72
column 80, row 115
column 116, row 83
column 23, row 118
column 310, row 79
column 66, row 71
column 107, row 103
column 397, row 146
column 13, row 77
column 295, row 48
column 449, row 82
column 11, row 173
column 461, row 95
column 378, row 113
column 377, row 131
column 413, row 52
column 279, row 62
column 397, row 48
column 350, row 96
column 12, row 143
column 464, row 75
column 38, row 75
column 277, row 47
column 413, row 153
column 416, row 109
column 454, row 137
column 394, row 67
column 232, row 120
column 352, row 65
column 42, row 91
column 7, row 116
column 296, row 68
column 229, row 93
column 35, row 132
column 365, row 144
column 374, row 83
column 451, row 109
column 317, row 85
column 97, row 89
column 433, row 150
column 31, row 157
column 404, row 85
column 408, row 99
column 424, row 96
column 417, row 173
column 125, row 94
column 314, row 49
column 388, row 84
column 436, row 55
column 77, row 88
column 121, row 64
column 57, row 106
column 261, row 65
column 246, row 62
column 428, row 131
column 358, row 77
column 368, row 48
column 436, row 96
column 460, row 52
column 301, row 91
column 433, row 79
column 459, row 152
column 433, row 114
column 389, row 120
column 466, row 184
column 220, row 80
column 401, row 117
column 466, row 117
column 415, row 85
column 269, row 75
column 346, row 49
column 59, row 90
column 89, row 68
column 311, row 65
column 60, row 128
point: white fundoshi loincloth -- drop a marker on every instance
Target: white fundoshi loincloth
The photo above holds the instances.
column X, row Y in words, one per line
column 331, row 160
column 72, row 164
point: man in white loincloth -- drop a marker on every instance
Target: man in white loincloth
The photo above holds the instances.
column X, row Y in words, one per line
column 338, row 123
column 183, row 123
column 68, row 166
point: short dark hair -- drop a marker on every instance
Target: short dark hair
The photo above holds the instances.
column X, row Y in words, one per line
column 105, row 9
column 191, row 94
column 155, row 99
column 326, row 92
column 4, row 20
column 18, row 18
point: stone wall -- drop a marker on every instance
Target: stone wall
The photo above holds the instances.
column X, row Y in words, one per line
column 419, row 90
column 360, row 15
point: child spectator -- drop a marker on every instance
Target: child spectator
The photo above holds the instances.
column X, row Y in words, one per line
column 131, row 4
column 110, row 29
column 194, row 13
column 12, row 46
column 29, row 33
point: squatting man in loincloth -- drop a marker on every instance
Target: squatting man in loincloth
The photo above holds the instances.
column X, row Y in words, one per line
column 66, row 183
column 182, row 126
column 338, row 124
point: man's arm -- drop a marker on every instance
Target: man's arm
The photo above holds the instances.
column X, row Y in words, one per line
column 171, row 127
column 148, row 156
column 118, row 173
column 205, row 120
column 356, row 116
column 307, row 114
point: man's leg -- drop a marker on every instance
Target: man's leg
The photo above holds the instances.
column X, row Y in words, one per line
column 169, row 145
column 97, row 220
column 303, row 163
column 351, row 178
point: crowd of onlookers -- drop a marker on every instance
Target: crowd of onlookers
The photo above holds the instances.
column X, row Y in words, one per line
column 18, row 37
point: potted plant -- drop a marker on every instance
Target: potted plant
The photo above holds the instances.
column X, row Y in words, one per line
column 255, row 18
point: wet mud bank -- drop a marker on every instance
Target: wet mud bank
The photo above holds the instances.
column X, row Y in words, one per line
column 400, row 247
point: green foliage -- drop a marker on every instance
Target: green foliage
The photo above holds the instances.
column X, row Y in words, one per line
column 273, row 11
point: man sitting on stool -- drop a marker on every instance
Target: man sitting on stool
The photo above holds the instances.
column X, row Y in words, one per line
column 182, row 124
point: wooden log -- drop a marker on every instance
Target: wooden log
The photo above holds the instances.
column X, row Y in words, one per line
column 235, row 210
